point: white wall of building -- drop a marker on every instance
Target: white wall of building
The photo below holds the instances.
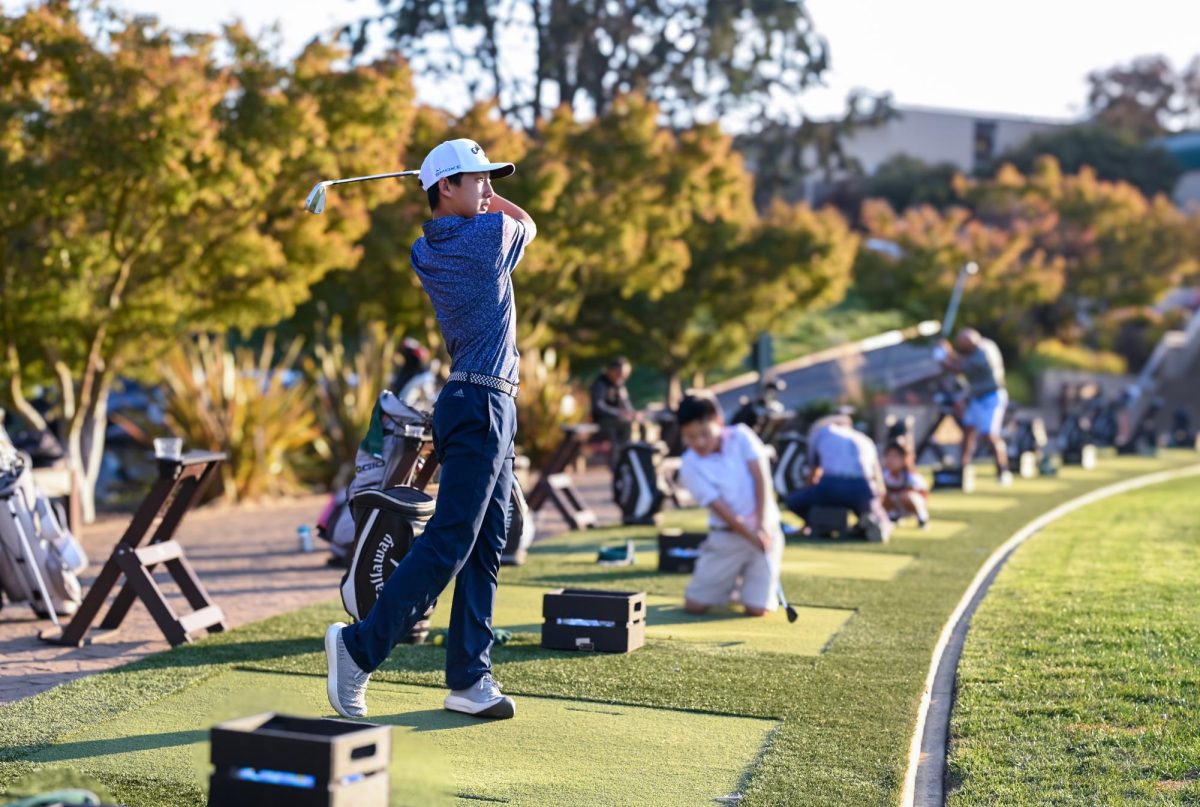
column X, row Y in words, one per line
column 937, row 136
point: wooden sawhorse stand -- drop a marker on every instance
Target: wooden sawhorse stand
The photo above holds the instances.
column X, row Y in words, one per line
column 555, row 485
column 180, row 484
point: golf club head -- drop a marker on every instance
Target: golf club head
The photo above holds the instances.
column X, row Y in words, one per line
column 315, row 203
column 792, row 615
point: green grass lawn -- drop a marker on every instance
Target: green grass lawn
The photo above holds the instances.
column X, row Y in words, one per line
column 1080, row 679
column 818, row 713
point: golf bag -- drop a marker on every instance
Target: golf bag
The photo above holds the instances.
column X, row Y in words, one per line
column 1182, row 433
column 387, row 523
column 385, row 438
column 518, row 526
column 791, row 464
column 1028, row 446
column 638, row 487
column 39, row 558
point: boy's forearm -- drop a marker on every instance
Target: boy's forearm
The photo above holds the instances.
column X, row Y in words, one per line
column 501, row 205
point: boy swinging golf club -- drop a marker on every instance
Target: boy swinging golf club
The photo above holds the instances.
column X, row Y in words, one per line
column 471, row 244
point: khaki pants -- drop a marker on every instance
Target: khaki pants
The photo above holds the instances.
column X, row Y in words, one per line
column 729, row 563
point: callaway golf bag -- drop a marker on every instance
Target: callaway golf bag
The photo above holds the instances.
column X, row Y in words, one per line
column 791, row 463
column 386, row 522
column 638, row 487
column 39, row 558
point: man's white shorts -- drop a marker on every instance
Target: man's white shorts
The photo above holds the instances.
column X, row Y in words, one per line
column 728, row 561
column 986, row 413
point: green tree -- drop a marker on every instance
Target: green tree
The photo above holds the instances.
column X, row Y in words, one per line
column 692, row 57
column 158, row 190
column 1115, row 155
column 903, row 181
column 731, row 274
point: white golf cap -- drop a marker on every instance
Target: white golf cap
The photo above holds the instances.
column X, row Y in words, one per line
column 459, row 157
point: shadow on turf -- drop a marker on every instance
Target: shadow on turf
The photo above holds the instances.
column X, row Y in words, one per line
column 66, row 752
column 217, row 652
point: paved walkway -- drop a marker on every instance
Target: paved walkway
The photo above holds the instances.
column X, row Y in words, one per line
column 247, row 558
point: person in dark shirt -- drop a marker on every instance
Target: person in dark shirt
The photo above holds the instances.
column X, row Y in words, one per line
column 611, row 407
column 979, row 361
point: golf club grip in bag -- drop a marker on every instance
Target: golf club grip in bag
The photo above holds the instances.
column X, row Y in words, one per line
column 387, row 523
column 638, row 487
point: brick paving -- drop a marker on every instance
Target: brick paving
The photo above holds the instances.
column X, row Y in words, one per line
column 248, row 559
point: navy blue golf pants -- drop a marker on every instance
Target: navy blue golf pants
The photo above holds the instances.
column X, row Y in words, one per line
column 473, row 431
column 833, row 491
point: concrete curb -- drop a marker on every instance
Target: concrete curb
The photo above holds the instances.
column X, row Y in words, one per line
column 924, row 779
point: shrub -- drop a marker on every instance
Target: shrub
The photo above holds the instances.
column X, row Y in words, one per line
column 548, row 401
column 345, row 386
column 253, row 408
column 1051, row 354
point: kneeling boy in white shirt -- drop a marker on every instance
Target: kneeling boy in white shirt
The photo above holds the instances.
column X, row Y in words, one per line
column 726, row 469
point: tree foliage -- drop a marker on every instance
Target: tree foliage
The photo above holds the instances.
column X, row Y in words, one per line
column 1147, row 97
column 1055, row 250
column 693, row 58
column 152, row 190
column 1113, row 154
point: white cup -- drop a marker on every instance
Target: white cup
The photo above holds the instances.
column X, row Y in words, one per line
column 168, row 448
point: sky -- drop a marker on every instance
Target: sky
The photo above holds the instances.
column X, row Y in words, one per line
column 1020, row 57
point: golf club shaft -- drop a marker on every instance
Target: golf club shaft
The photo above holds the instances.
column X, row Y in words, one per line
column 956, row 298
column 373, row 176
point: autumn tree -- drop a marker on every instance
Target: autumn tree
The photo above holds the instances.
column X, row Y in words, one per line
column 1114, row 154
column 1147, row 97
column 158, row 194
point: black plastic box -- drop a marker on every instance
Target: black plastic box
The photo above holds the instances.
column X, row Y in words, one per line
column 954, row 478
column 828, row 522
column 589, row 619
column 271, row 760
column 678, row 550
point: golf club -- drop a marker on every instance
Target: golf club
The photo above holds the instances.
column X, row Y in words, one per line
column 791, row 612
column 315, row 203
column 969, row 268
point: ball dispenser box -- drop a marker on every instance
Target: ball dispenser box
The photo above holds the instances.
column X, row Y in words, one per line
column 678, row 550
column 589, row 619
column 271, row 760
column 954, row 478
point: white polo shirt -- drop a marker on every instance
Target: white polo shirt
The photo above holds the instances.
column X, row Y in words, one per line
column 724, row 475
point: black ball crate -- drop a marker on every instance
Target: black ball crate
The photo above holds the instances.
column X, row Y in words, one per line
column 271, row 760
column 678, row 550
column 590, row 619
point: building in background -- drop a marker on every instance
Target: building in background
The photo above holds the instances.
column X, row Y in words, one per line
column 967, row 140
column 1185, row 148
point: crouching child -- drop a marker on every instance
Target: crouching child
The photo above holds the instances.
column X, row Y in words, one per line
column 905, row 491
column 726, row 469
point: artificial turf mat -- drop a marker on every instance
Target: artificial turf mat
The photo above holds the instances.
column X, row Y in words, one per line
column 1079, row 679
column 955, row 502
column 846, row 715
column 519, row 609
column 555, row 752
column 937, row 529
column 810, row 559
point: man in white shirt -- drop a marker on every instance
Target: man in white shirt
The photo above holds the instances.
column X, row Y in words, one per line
column 726, row 469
